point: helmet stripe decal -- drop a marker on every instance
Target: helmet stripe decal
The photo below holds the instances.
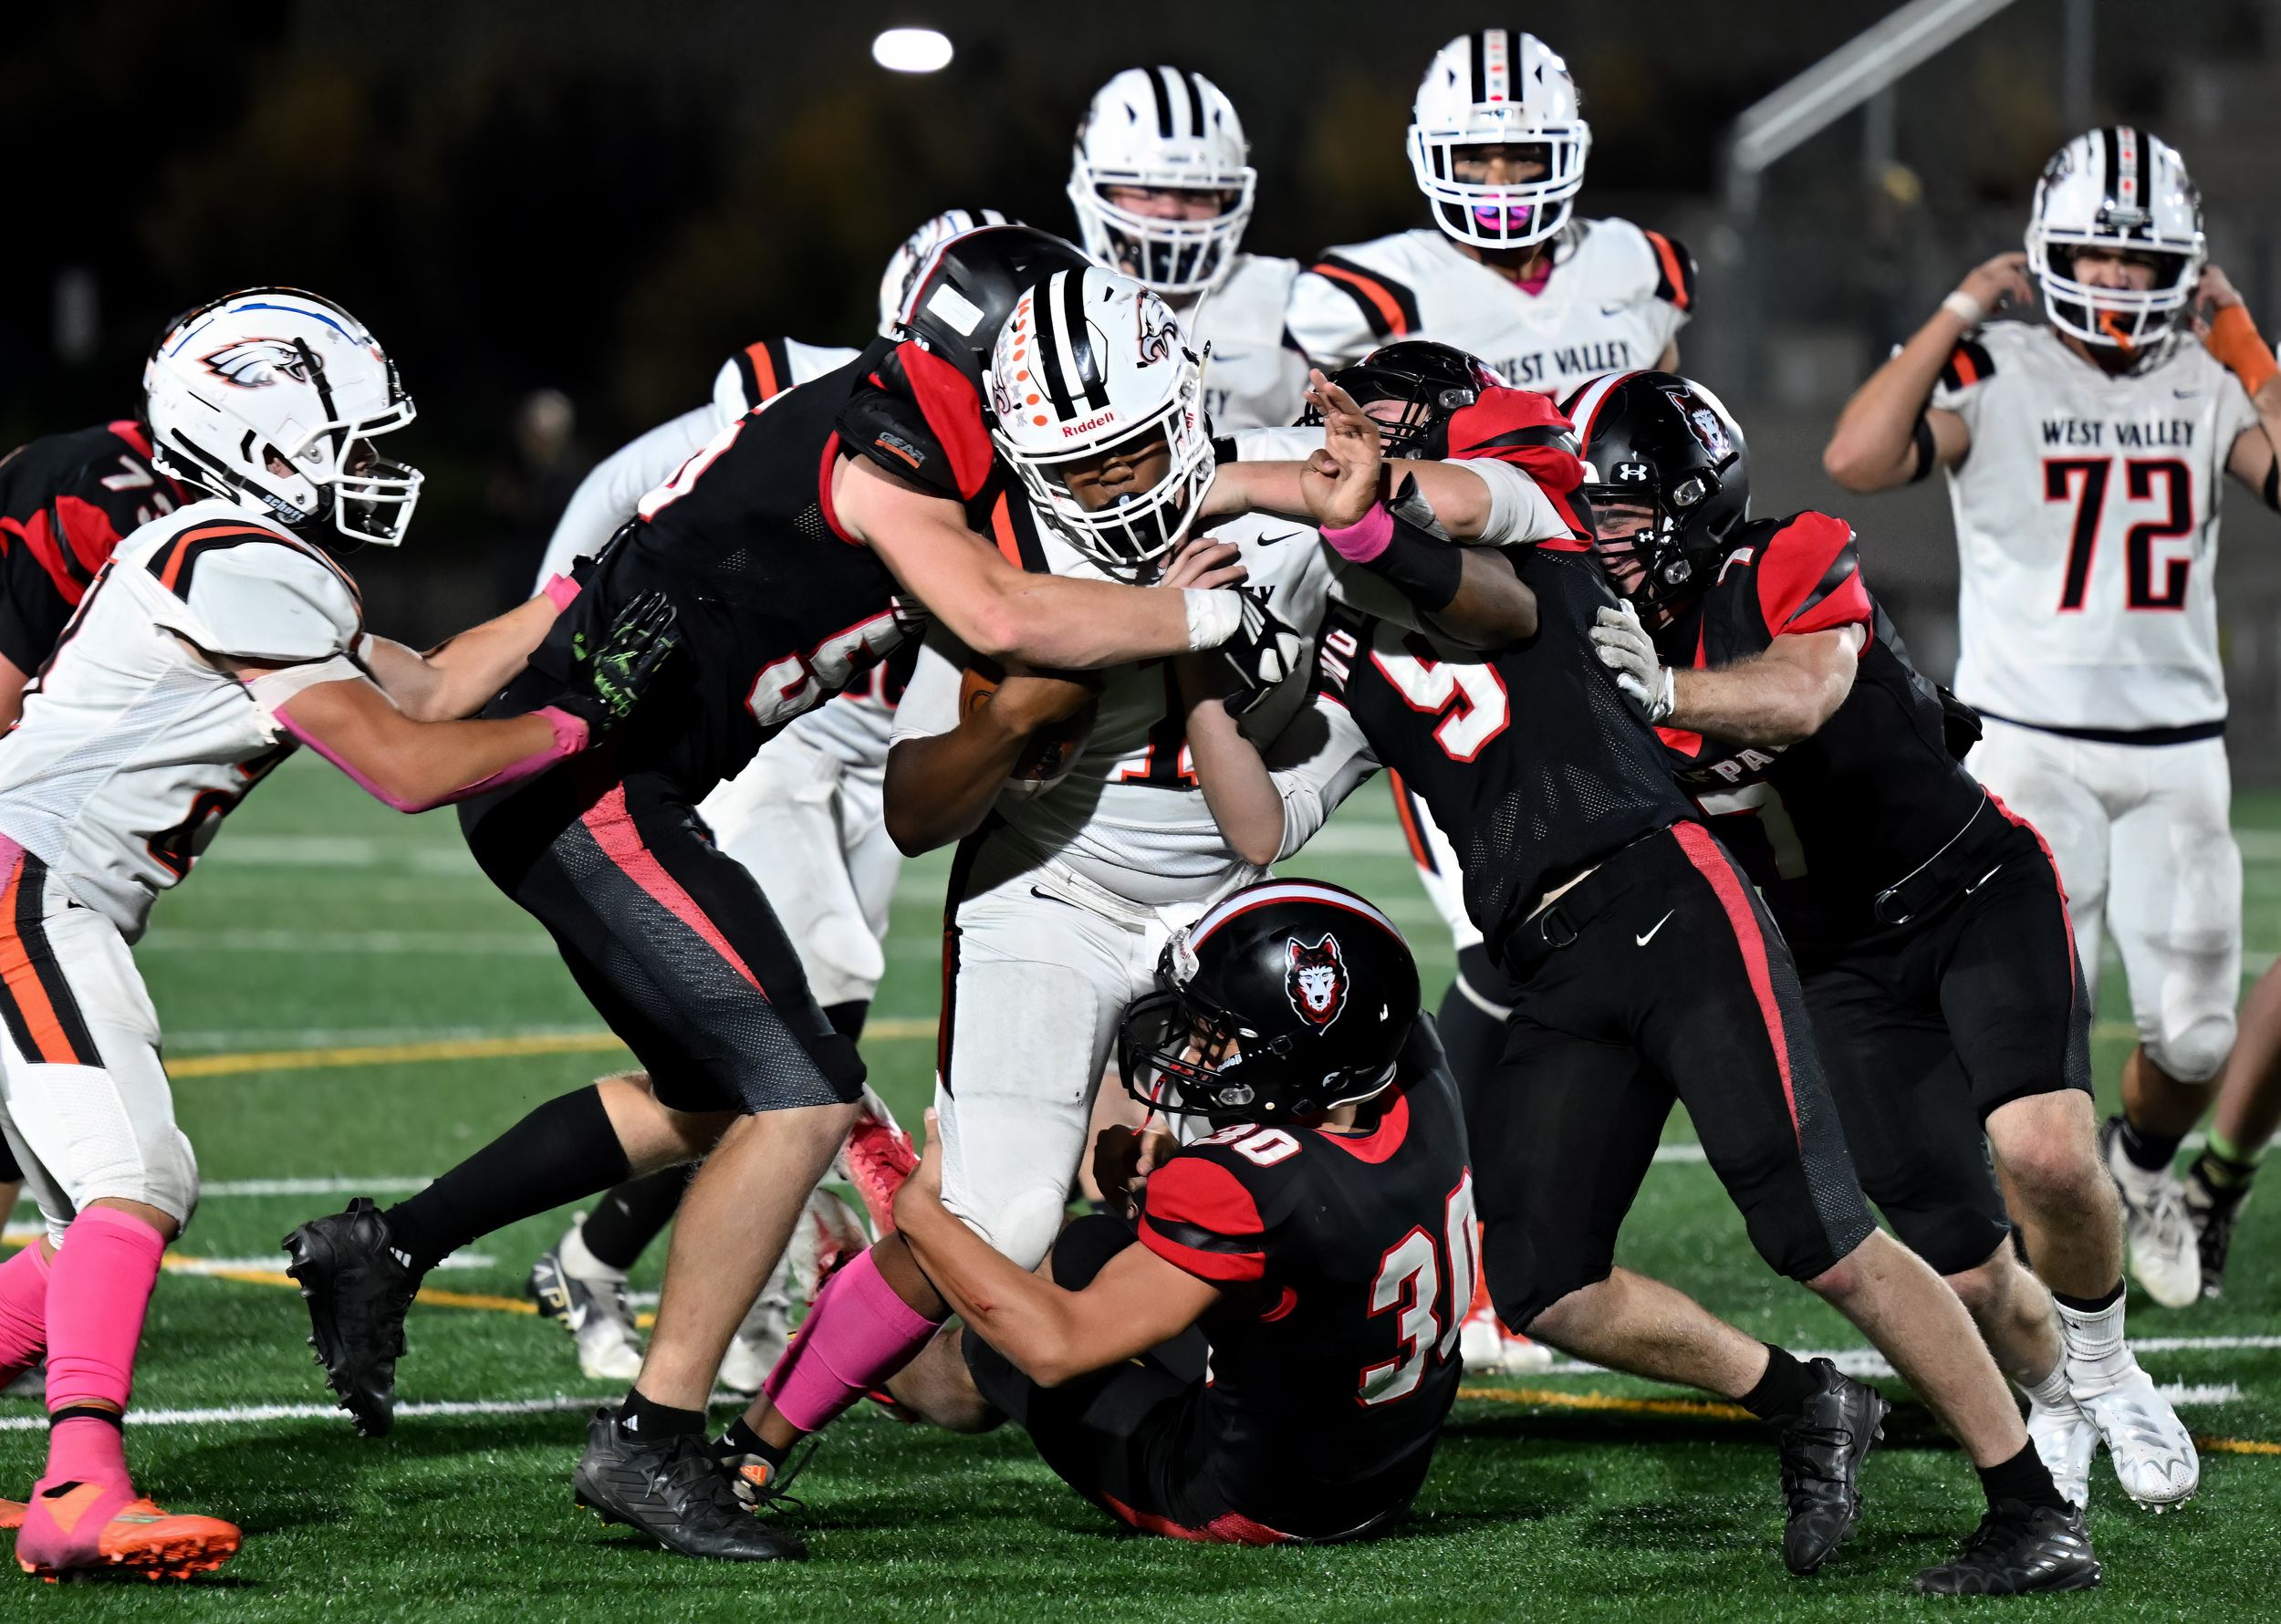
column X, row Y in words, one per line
column 1585, row 405
column 1497, row 49
column 1202, row 103
column 1189, row 121
column 1046, row 365
column 1079, row 341
column 1288, row 890
column 2109, row 146
column 1479, row 90
column 2127, row 168
column 1163, row 101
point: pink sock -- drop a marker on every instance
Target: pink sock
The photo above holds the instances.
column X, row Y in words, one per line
column 97, row 1289
column 23, row 1312
column 858, row 1333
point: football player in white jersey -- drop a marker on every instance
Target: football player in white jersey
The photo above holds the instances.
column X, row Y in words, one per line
column 1161, row 182
column 804, row 817
column 1510, row 273
column 2084, row 456
column 1078, row 859
column 217, row 637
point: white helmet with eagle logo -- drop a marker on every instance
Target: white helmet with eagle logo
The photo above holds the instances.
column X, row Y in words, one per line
column 1160, row 129
column 2124, row 191
column 270, row 397
column 1498, row 87
column 1088, row 362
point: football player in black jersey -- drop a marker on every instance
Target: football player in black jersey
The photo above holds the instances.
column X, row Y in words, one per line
column 1928, row 921
column 1319, row 1248
column 66, row 501
column 1647, row 970
column 794, row 551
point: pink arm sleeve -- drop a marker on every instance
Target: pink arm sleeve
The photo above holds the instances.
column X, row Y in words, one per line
column 570, row 737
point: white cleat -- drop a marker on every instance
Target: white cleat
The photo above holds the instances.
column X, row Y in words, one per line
column 759, row 1342
column 2165, row 1255
column 2153, row 1452
column 1487, row 1347
column 593, row 1309
column 2064, row 1439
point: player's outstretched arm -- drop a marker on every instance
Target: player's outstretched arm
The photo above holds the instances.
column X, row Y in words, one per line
column 1269, row 803
column 1771, row 699
column 459, row 676
column 941, row 785
column 2230, row 334
column 1136, row 1301
column 1877, row 443
column 414, row 766
column 1005, row 613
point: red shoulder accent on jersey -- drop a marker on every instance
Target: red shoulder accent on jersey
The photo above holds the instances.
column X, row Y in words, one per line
column 1198, row 1217
column 39, row 537
column 1686, row 744
column 1391, row 309
column 1385, row 1138
column 1523, row 428
column 823, row 489
column 1674, row 271
column 93, row 532
column 1809, row 577
column 1968, row 364
column 953, row 407
column 137, row 438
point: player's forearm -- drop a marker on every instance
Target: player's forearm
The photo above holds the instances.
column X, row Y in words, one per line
column 1761, row 702
column 938, row 789
column 1024, row 1316
column 459, row 676
column 1873, row 447
column 415, row 766
column 1492, row 609
column 1067, row 624
column 1236, row 784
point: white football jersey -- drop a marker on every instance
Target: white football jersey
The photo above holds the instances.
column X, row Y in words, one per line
column 1255, row 378
column 131, row 748
column 2087, row 526
column 853, row 725
column 1616, row 298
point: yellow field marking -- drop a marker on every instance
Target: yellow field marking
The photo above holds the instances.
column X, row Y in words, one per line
column 461, row 1048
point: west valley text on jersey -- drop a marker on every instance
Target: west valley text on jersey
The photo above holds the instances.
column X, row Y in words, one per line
column 2093, row 432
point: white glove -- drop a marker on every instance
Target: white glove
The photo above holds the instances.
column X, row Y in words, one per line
column 1626, row 649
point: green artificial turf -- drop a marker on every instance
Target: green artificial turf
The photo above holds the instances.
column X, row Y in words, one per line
column 321, row 920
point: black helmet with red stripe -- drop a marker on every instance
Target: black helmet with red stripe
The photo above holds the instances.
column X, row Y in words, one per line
column 1661, row 448
column 962, row 293
column 1287, row 998
column 1430, row 382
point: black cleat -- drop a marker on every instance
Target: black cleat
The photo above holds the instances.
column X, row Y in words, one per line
column 357, row 1290
column 2212, row 1208
column 2016, row 1549
column 674, row 1491
column 1822, row 1447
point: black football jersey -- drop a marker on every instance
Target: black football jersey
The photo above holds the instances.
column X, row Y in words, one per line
column 1531, row 760
column 66, row 501
column 1823, row 825
column 779, row 607
column 1349, row 1262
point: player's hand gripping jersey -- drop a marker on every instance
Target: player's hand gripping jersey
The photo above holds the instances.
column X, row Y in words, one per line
column 2087, row 519
column 779, row 608
column 1823, row 826
column 119, row 812
column 66, row 501
column 1616, row 298
column 1334, row 1354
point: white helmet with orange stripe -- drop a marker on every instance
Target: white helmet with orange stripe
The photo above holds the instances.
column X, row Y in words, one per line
column 270, row 397
column 1498, row 92
column 2122, row 196
column 1096, row 403
column 1161, row 180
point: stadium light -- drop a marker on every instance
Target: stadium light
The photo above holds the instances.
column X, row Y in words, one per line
column 912, row 50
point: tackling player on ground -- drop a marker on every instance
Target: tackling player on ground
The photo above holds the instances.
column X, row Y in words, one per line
column 1928, row 922
column 1314, row 1255
column 2085, row 454
column 216, row 639
column 1161, row 184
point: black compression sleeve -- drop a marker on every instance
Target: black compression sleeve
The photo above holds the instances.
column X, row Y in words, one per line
column 2273, row 485
column 1928, row 451
column 1423, row 568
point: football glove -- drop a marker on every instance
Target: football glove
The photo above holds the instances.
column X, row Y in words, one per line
column 1263, row 654
column 611, row 676
column 1626, row 649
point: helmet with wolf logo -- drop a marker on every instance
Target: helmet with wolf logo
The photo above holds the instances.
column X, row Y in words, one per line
column 1285, row 999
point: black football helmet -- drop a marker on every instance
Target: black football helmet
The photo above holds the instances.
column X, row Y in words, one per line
column 1289, row 997
column 1434, row 382
column 969, row 287
column 1666, row 442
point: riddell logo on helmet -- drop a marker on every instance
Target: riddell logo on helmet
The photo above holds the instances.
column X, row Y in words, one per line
column 1314, row 979
column 1099, row 419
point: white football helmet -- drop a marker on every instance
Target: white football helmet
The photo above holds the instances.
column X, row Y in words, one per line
column 903, row 266
column 1498, row 86
column 2124, row 190
column 1158, row 127
column 275, row 374
column 1090, row 361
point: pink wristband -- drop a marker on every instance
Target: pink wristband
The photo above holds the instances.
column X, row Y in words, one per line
column 1364, row 539
column 560, row 590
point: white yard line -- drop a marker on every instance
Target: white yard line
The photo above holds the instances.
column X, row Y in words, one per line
column 1869, row 1364
column 532, row 944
